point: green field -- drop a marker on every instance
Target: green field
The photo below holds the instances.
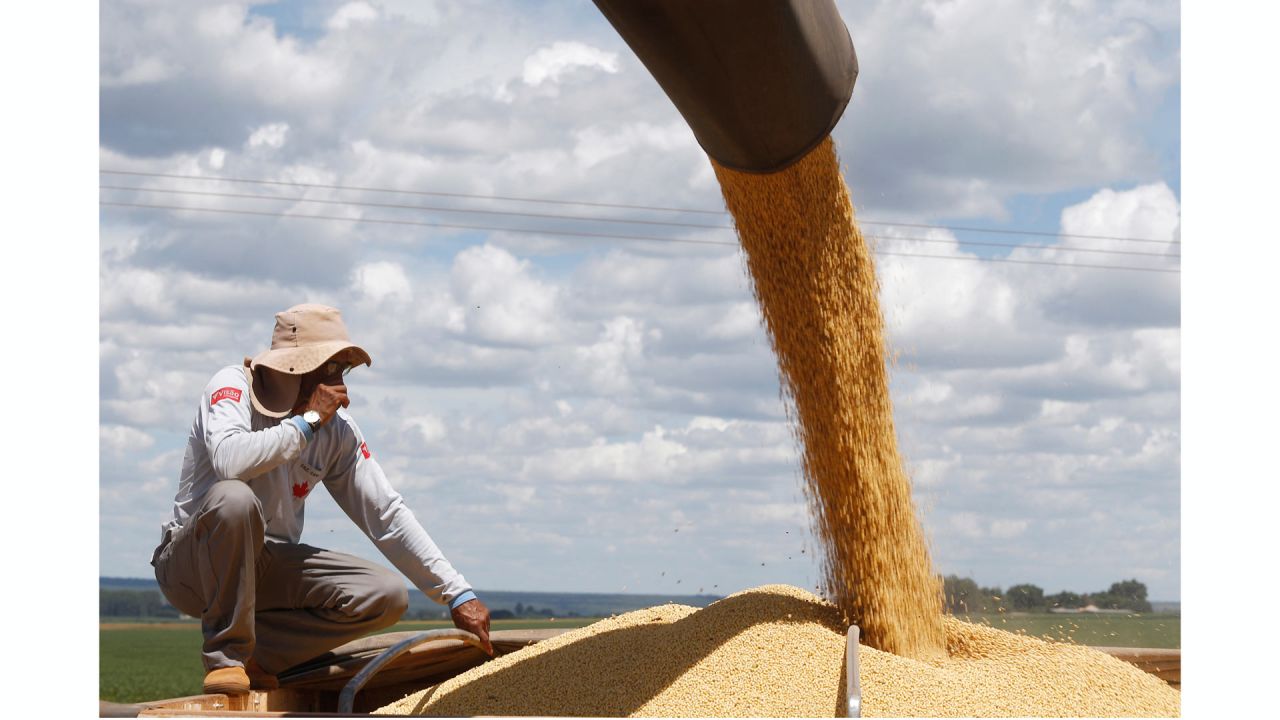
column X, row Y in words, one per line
column 140, row 660
column 1155, row 630
column 151, row 661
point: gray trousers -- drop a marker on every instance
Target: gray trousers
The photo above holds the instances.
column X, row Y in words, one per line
column 279, row 603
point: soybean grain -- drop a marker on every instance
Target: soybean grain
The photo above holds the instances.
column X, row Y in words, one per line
column 778, row 651
column 814, row 278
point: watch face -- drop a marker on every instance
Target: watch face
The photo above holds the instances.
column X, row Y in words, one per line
column 311, row 416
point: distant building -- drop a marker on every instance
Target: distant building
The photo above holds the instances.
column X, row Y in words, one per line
column 1091, row 608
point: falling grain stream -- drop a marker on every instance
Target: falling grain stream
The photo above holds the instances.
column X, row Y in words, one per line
column 814, row 277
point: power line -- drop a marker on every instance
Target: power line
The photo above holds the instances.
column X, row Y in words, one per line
column 417, row 223
column 432, row 208
column 1038, row 233
column 579, row 218
column 533, row 231
column 622, row 206
column 1021, row 246
column 410, row 192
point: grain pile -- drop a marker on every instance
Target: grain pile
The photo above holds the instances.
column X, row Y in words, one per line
column 778, row 651
column 815, row 281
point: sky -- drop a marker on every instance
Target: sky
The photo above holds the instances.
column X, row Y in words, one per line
column 594, row 414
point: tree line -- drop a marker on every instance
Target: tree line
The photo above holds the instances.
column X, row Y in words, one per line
column 521, row 610
column 118, row 603
column 963, row 595
column 134, row 604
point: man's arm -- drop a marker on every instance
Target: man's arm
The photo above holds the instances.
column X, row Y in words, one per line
column 362, row 490
column 236, row 451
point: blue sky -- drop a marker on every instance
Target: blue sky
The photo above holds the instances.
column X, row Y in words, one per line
column 601, row 415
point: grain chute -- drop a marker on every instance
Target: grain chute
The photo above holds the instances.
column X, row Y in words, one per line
column 760, row 82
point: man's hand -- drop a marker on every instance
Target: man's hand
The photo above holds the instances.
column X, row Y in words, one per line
column 326, row 399
column 473, row 616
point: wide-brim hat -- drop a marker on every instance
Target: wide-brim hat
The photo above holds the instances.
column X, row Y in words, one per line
column 305, row 337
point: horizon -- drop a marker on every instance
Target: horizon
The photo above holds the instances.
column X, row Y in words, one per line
column 482, row 591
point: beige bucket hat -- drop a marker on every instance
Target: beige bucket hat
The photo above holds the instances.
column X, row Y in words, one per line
column 305, row 337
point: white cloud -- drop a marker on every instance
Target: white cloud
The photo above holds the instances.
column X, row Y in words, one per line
column 155, row 397
column 142, row 71
column 381, row 282
column 604, row 364
column 741, row 321
column 553, row 62
column 1147, row 211
column 271, row 135
column 1048, row 96
column 122, row 439
column 1006, row 529
column 924, row 301
column 137, row 289
column 968, row 525
column 792, row 513
column 1116, row 298
column 595, row 145
column 621, row 281
column 430, row 428
column 128, row 291
column 930, row 473
column 501, row 300
column 350, row 13
column 275, row 68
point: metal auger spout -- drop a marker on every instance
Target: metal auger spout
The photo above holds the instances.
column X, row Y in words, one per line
column 760, row 82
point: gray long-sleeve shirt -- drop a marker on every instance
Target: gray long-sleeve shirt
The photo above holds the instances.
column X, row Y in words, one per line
column 231, row 441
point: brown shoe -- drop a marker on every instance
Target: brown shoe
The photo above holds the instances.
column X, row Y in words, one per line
column 227, row 681
column 260, row 679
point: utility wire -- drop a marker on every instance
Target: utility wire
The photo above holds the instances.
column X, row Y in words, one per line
column 410, row 192
column 415, row 223
column 721, row 213
column 429, row 208
column 1039, row 233
column 433, row 208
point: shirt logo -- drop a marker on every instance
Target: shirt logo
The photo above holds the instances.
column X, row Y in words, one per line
column 223, row 394
column 364, row 450
column 300, row 490
column 312, row 471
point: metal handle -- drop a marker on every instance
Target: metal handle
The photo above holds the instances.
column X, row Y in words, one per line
column 347, row 699
column 852, row 688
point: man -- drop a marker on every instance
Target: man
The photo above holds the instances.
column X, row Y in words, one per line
column 264, row 436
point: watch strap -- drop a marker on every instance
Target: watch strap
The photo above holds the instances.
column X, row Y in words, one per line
column 304, row 426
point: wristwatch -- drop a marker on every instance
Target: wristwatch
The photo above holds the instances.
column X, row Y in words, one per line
column 312, row 418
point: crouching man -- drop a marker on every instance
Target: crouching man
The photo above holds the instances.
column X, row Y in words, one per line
column 265, row 434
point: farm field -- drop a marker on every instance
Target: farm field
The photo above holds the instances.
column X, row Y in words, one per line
column 140, row 661
column 1153, row 630
column 149, row 660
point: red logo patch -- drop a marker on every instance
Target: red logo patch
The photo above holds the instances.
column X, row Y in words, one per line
column 300, row 491
column 223, row 394
column 364, row 450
